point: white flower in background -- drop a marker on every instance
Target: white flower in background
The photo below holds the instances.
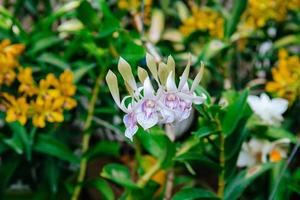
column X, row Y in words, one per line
column 269, row 110
column 147, row 107
column 258, row 151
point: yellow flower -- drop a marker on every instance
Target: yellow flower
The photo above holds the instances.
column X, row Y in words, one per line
column 259, row 12
column 8, row 61
column 27, row 84
column 17, row 109
column 47, row 89
column 67, row 89
column 49, row 110
column 203, row 19
column 286, row 77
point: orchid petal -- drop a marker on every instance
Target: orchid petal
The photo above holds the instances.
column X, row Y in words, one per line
column 130, row 132
column 199, row 99
column 198, row 78
column 126, row 72
column 171, row 65
column 185, row 75
column 152, row 65
column 142, row 74
column 147, row 122
column 148, row 88
column 245, row 159
column 163, row 73
column 170, row 85
column 112, row 83
column 279, row 105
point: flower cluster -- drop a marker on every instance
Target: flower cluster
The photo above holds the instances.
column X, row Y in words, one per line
column 147, row 107
column 260, row 11
column 203, row 19
column 258, row 151
column 269, row 110
column 43, row 101
column 8, row 61
column 286, row 77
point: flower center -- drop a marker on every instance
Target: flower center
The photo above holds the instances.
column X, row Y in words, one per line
column 148, row 107
column 171, row 101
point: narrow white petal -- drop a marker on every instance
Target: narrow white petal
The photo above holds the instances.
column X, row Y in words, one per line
column 199, row 99
column 198, row 78
column 185, row 75
column 148, row 88
column 170, row 85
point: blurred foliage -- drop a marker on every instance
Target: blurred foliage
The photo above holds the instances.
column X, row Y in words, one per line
column 247, row 47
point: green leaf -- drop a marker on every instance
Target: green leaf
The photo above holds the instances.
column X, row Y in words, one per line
column 50, row 146
column 234, row 188
column 278, row 133
column 54, row 60
column 103, row 187
column 51, row 173
column 206, row 131
column 88, row 15
column 238, row 8
column 193, row 193
column 7, row 169
column 158, row 145
column 287, row 40
column 104, row 148
column 79, row 73
column 119, row 174
column 133, row 52
column 20, row 139
column 43, row 44
column 197, row 156
column 234, row 113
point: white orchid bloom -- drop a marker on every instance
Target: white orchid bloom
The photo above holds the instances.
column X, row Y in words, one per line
column 269, row 110
column 130, row 119
column 147, row 111
column 258, row 151
column 147, row 107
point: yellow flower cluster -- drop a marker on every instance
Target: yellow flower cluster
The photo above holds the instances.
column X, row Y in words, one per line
column 258, row 12
column 286, row 77
column 43, row 101
column 134, row 6
column 8, row 61
column 203, row 19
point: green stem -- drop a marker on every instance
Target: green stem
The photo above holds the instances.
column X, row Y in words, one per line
column 147, row 176
column 86, row 139
column 221, row 180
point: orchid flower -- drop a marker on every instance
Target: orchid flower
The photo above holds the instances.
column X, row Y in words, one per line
column 261, row 151
column 148, row 107
column 130, row 119
column 269, row 110
column 175, row 101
